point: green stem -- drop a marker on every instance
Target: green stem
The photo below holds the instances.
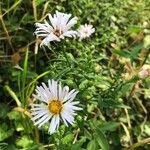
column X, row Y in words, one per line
column 29, row 87
column 25, row 65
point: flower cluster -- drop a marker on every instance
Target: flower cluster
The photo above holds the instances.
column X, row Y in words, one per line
column 56, row 102
column 60, row 26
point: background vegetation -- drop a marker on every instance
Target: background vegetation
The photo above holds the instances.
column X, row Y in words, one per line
column 103, row 68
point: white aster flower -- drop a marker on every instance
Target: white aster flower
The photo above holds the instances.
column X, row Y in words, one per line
column 58, row 27
column 56, row 104
column 85, row 31
column 144, row 71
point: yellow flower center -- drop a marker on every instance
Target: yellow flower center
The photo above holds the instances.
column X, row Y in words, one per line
column 55, row 106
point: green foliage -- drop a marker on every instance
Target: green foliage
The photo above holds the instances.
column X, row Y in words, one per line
column 24, row 142
column 103, row 68
column 5, row 132
column 102, row 141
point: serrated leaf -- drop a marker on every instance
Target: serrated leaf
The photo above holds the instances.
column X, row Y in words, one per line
column 83, row 84
column 14, row 115
column 24, row 142
column 68, row 138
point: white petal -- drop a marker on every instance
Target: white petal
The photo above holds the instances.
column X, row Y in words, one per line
column 67, row 116
column 46, row 28
column 70, row 33
column 51, row 37
column 60, row 92
column 47, row 91
column 71, row 106
column 41, row 119
column 39, row 115
column 43, row 93
column 53, row 88
column 71, row 95
column 46, row 120
column 49, row 27
column 38, row 97
column 38, row 105
column 59, row 16
column 64, row 120
column 71, row 23
column 39, row 34
column 64, row 21
column 52, row 20
column 54, row 124
column 38, row 108
column 64, row 93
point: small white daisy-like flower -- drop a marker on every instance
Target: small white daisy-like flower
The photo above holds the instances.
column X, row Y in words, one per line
column 85, row 31
column 144, row 71
column 58, row 27
column 56, row 104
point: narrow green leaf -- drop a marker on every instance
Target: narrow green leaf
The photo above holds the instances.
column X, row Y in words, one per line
column 109, row 126
column 25, row 66
column 101, row 139
column 134, row 29
column 126, row 88
column 135, row 51
column 113, row 104
column 92, row 145
column 13, row 6
column 78, row 144
column 122, row 53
